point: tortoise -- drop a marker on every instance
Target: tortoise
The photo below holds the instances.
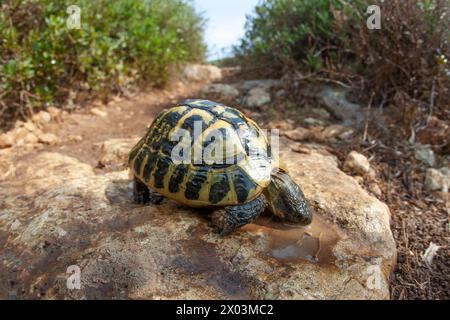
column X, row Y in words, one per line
column 234, row 173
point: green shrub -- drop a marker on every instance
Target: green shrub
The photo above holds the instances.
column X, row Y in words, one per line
column 119, row 42
column 286, row 33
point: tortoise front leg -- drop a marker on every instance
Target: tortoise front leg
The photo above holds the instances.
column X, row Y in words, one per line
column 228, row 219
column 144, row 195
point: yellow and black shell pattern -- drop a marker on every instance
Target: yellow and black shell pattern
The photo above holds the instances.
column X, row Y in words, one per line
column 237, row 174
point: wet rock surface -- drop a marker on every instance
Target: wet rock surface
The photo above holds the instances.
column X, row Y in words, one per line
column 57, row 211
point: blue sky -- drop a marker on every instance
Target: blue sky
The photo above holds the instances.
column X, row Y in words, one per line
column 226, row 19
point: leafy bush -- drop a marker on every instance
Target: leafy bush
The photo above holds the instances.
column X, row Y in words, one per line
column 329, row 39
column 286, row 33
column 123, row 41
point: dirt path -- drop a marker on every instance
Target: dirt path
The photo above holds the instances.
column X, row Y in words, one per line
column 82, row 132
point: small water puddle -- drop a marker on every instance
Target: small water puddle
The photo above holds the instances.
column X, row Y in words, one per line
column 292, row 243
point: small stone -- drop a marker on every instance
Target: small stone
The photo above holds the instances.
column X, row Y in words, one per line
column 280, row 93
column 223, row 90
column 48, row 138
column 198, row 72
column 115, row 152
column 257, row 97
column 437, row 180
column 356, row 163
column 41, row 117
column 425, row 154
column 337, row 130
column 6, row 141
column 99, row 112
column 430, row 253
column 298, row 134
column 345, row 135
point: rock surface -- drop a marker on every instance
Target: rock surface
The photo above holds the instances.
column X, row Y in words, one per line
column 425, row 154
column 199, row 72
column 57, row 212
column 437, row 179
column 356, row 163
column 41, row 117
column 264, row 84
column 336, row 102
column 298, row 134
column 257, row 97
column 337, row 131
column 48, row 138
column 221, row 90
column 6, row 140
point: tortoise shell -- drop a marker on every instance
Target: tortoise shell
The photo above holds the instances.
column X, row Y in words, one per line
column 232, row 167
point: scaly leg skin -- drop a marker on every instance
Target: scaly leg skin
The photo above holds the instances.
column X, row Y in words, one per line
column 144, row 195
column 228, row 219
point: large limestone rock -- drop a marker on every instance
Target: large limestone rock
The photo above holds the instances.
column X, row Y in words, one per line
column 57, row 212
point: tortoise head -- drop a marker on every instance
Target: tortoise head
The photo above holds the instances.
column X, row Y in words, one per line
column 286, row 199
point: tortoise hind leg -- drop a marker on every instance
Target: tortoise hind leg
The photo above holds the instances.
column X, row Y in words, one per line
column 144, row 195
column 228, row 219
